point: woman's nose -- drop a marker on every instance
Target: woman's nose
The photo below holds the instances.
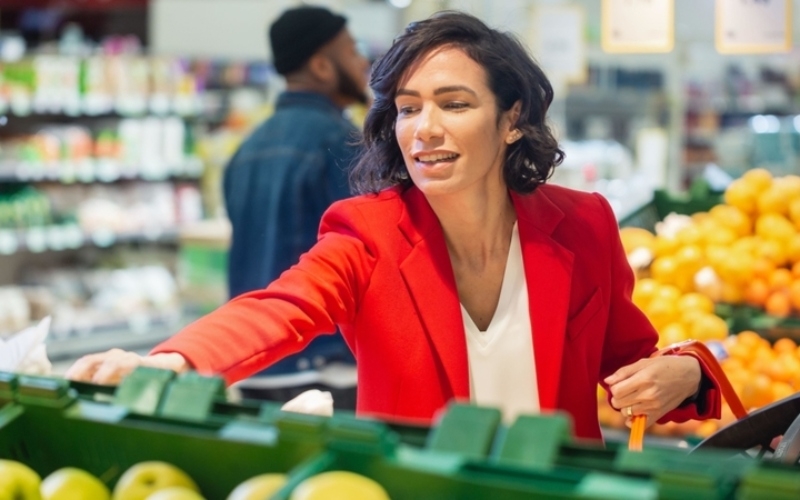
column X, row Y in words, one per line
column 427, row 125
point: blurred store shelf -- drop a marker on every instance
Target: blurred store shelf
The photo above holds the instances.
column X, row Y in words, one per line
column 133, row 336
column 57, row 238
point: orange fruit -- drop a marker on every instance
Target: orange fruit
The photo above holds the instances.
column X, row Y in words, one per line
column 746, row 244
column 794, row 212
column 757, row 391
column 708, row 327
column 664, row 245
column 690, row 235
column 796, row 269
column 672, row 334
column 738, row 268
column 720, row 235
column 792, row 248
column 633, row 238
column 763, row 268
column 778, row 304
column 749, row 338
column 690, row 257
column 661, row 312
column 784, row 345
column 781, row 390
column 668, row 292
column 740, row 352
column 695, row 302
column 732, row 293
column 794, row 295
column 774, row 200
column 732, row 218
column 742, row 195
column 760, row 179
column 757, row 292
column 644, row 290
column 663, row 269
column 772, row 250
column 706, row 428
column 773, row 226
column 780, row 279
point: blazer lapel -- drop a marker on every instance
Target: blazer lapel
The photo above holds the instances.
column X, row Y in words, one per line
column 548, row 273
column 429, row 277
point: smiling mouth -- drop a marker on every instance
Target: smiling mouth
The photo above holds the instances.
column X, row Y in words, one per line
column 436, row 158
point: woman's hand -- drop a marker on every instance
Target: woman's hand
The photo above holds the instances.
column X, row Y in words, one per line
column 654, row 386
column 110, row 367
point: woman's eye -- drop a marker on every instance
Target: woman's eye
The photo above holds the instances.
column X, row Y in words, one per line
column 456, row 105
column 405, row 110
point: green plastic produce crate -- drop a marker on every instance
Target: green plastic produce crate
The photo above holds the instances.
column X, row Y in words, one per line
column 469, row 454
column 699, row 198
column 742, row 317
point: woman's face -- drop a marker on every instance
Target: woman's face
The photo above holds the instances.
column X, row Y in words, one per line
column 447, row 125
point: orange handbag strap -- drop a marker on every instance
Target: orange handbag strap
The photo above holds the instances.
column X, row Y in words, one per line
column 700, row 351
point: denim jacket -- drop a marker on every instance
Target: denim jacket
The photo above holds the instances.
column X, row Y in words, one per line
column 277, row 186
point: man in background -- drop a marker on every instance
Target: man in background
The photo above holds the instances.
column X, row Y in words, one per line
column 287, row 173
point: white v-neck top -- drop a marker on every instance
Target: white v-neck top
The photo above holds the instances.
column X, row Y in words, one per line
column 502, row 371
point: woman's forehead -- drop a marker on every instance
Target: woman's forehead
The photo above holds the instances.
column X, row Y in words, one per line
column 449, row 62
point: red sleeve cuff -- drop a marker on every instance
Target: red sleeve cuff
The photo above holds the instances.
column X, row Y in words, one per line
column 707, row 405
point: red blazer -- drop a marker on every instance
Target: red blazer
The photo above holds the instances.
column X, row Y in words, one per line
column 381, row 272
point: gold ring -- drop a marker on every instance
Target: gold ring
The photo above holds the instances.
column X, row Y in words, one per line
column 629, row 411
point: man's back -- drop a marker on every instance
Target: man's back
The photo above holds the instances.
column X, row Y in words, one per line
column 281, row 180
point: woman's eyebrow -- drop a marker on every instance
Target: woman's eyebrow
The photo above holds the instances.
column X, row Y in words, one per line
column 439, row 91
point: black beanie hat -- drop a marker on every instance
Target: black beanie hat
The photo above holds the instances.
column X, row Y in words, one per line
column 298, row 33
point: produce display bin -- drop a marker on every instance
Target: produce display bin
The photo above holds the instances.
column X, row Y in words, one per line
column 699, row 198
column 469, row 454
column 742, row 317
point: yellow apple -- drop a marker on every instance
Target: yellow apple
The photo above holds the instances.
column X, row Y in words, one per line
column 339, row 485
column 258, row 487
column 176, row 493
column 145, row 478
column 70, row 483
column 18, row 481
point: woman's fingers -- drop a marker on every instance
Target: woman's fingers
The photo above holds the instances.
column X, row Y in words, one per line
column 107, row 368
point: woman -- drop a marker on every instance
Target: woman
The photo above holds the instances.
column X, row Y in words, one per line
column 459, row 274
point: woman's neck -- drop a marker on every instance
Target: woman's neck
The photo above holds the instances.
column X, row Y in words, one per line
column 477, row 225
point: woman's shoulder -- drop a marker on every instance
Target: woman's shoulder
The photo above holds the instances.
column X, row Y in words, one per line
column 381, row 206
column 579, row 212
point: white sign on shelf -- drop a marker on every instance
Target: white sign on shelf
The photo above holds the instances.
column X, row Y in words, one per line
column 557, row 38
column 753, row 26
column 638, row 26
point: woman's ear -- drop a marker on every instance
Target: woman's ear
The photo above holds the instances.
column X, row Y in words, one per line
column 513, row 134
column 514, row 114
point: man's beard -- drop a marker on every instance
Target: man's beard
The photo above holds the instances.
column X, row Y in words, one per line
column 348, row 86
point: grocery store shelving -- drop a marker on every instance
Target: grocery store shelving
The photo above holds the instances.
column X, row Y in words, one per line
column 70, row 237
column 138, row 333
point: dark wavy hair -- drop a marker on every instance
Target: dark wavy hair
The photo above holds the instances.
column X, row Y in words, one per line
column 513, row 76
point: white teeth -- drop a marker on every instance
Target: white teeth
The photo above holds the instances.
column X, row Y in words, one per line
column 435, row 158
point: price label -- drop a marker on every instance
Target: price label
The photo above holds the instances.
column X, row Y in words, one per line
column 558, row 42
column 753, row 26
column 638, row 26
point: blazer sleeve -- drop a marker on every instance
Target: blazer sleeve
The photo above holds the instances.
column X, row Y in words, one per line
column 630, row 336
column 259, row 328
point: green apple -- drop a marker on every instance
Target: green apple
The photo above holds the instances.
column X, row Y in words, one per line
column 70, row 483
column 18, row 481
column 176, row 493
column 258, row 487
column 145, row 478
column 339, row 485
